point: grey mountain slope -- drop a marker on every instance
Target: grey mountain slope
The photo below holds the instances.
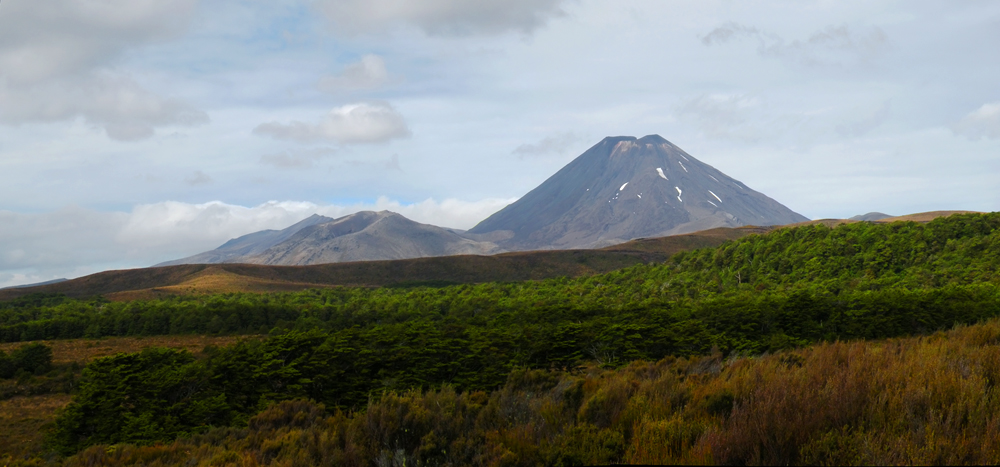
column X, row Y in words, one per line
column 248, row 245
column 368, row 236
column 615, row 192
column 36, row 284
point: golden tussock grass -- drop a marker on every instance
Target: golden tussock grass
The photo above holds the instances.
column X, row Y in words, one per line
column 85, row 350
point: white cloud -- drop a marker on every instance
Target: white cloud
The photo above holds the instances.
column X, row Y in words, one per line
column 374, row 122
column 126, row 111
column 833, row 45
column 198, row 178
column 441, row 17
column 63, row 37
column 982, row 123
column 76, row 241
column 723, row 116
column 866, row 125
column 727, row 32
column 177, row 226
column 57, row 63
column 369, row 73
column 296, row 159
column 553, row 144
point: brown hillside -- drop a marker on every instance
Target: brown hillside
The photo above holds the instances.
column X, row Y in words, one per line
column 517, row 266
column 924, row 216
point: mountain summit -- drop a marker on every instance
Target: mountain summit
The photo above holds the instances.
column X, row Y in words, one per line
column 624, row 188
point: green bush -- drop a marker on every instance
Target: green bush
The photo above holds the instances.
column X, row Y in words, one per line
column 34, row 358
column 154, row 395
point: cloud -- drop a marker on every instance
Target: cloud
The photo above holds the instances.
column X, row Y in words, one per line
column 728, row 32
column 57, row 63
column 296, row 159
column 126, row 111
column 69, row 36
column 174, row 226
column 554, row 144
column 198, row 178
column 369, row 73
column 864, row 126
column 441, row 17
column 393, row 163
column 723, row 116
column 374, row 122
column 833, row 45
column 75, row 241
column 982, row 123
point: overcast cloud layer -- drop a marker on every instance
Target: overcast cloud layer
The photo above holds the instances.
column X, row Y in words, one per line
column 135, row 131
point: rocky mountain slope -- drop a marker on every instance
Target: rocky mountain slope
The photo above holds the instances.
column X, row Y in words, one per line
column 362, row 236
column 369, row 236
column 625, row 188
column 235, row 250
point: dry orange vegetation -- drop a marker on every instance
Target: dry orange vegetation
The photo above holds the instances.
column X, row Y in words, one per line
column 212, row 280
column 22, row 422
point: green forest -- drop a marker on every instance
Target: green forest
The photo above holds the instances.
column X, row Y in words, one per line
column 652, row 363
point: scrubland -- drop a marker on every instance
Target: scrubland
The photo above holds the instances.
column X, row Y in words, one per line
column 921, row 400
column 862, row 343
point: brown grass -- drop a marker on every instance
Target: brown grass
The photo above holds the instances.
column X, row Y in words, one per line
column 85, row 350
column 924, row 216
column 22, row 420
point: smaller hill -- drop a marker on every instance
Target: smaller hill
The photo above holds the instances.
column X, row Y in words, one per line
column 248, row 245
column 925, row 216
column 871, row 216
column 362, row 236
column 368, row 236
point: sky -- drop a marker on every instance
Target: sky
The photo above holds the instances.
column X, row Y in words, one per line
column 138, row 131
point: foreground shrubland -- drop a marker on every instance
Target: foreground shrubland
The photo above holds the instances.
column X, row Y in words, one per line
column 923, row 400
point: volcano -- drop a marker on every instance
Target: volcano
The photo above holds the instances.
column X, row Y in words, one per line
column 625, row 188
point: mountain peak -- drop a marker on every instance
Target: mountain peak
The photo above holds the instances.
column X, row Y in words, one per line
column 626, row 187
column 653, row 139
